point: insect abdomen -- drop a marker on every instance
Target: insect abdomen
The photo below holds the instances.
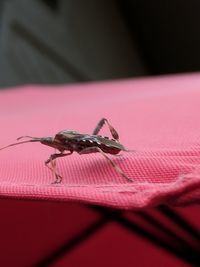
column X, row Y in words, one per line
column 110, row 150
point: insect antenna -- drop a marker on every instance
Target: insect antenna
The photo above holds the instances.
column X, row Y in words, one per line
column 32, row 139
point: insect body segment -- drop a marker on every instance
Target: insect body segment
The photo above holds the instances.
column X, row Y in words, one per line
column 72, row 141
column 77, row 142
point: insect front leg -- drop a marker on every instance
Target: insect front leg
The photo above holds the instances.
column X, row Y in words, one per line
column 100, row 125
column 114, row 165
column 51, row 160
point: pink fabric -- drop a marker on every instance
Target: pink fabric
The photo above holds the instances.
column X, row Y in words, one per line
column 157, row 117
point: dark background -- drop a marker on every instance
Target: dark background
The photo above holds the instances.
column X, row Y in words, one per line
column 58, row 41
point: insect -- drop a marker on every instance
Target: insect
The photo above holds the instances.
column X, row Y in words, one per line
column 72, row 141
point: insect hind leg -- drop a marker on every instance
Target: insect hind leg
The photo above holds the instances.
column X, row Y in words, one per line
column 100, row 124
column 114, row 165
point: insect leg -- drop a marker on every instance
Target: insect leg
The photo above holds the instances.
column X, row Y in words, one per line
column 53, row 169
column 53, row 166
column 117, row 168
column 100, row 125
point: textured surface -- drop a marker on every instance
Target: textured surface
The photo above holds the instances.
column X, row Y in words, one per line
column 158, row 118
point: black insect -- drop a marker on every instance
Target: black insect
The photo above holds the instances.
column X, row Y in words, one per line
column 72, row 141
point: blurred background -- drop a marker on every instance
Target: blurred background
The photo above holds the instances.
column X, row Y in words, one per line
column 59, row 41
column 70, row 41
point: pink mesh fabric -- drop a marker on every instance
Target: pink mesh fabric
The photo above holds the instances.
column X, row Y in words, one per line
column 158, row 118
